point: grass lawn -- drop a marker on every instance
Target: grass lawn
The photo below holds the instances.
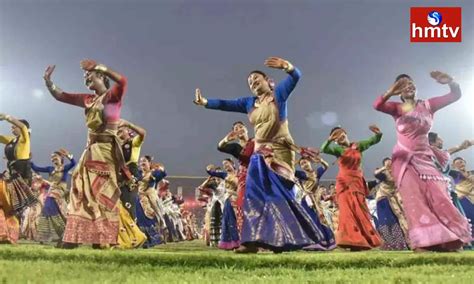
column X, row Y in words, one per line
column 192, row 262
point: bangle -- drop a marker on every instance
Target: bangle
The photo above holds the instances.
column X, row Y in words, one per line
column 100, row 67
column 53, row 87
column 289, row 67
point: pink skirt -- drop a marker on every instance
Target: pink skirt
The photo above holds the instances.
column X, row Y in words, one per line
column 432, row 218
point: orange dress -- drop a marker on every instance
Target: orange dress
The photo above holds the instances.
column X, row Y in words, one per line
column 355, row 229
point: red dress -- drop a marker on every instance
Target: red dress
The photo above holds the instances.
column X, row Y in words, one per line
column 355, row 228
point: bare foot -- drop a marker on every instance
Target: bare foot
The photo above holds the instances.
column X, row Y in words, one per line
column 246, row 249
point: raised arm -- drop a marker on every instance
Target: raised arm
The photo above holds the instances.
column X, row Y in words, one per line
column 159, row 175
column 301, row 175
column 284, row 88
column 39, row 169
column 329, row 149
column 230, row 146
column 238, row 105
column 321, row 170
column 219, row 174
column 464, row 145
column 118, row 89
column 366, row 144
column 23, row 128
column 383, row 105
column 70, row 165
column 5, row 139
column 440, row 102
column 137, row 140
column 60, row 95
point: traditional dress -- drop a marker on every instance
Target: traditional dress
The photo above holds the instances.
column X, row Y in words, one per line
column 272, row 217
column 311, row 202
column 51, row 222
column 464, row 186
column 216, row 207
column 392, row 224
column 355, row 229
column 433, row 221
column 442, row 159
column 131, row 152
column 243, row 154
column 229, row 238
column 149, row 209
column 93, row 209
column 29, row 223
column 9, row 224
column 130, row 236
column 18, row 177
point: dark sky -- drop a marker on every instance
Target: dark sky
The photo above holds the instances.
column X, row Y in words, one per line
column 349, row 52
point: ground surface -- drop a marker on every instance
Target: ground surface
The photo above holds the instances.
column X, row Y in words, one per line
column 192, row 262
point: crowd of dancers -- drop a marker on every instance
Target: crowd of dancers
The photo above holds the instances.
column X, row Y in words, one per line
column 271, row 200
column 115, row 197
column 421, row 202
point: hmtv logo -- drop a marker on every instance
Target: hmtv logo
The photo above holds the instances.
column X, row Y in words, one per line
column 435, row 24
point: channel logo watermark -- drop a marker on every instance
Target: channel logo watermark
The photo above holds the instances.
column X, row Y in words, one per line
column 435, row 24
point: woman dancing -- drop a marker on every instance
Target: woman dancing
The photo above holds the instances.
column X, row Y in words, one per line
column 434, row 223
column 355, row 230
column 149, row 209
column 238, row 144
column 229, row 238
column 312, row 195
column 51, row 222
column 270, row 176
column 391, row 221
column 17, row 152
column 93, row 210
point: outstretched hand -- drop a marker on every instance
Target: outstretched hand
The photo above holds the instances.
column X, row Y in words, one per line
column 375, row 129
column 64, row 152
column 88, row 64
column 397, row 88
column 335, row 135
column 277, row 63
column 232, row 136
column 441, row 77
column 199, row 99
column 47, row 75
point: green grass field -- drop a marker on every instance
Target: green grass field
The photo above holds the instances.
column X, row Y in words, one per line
column 192, row 262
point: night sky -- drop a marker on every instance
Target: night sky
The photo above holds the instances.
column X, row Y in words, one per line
column 349, row 53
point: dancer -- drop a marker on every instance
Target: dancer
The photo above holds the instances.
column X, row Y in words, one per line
column 442, row 160
column 229, row 238
column 355, row 230
column 464, row 185
column 149, row 208
column 93, row 210
column 434, row 223
column 238, row 144
column 311, row 199
column 17, row 152
column 131, row 147
column 392, row 224
column 51, row 222
column 212, row 219
column 270, row 176
column 29, row 222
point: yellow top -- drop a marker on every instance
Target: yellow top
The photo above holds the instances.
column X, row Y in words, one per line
column 137, row 142
column 22, row 149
